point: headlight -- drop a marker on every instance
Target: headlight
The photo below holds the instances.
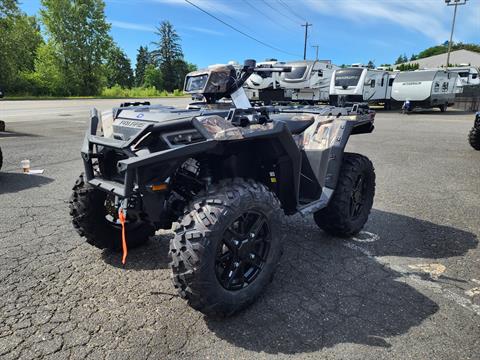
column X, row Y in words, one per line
column 182, row 138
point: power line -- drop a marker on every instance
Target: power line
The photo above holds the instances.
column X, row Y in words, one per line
column 286, row 6
column 276, row 22
column 239, row 31
column 281, row 13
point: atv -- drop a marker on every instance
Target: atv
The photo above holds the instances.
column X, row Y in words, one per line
column 221, row 174
column 474, row 135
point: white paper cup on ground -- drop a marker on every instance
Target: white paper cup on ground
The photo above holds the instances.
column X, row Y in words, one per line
column 26, row 165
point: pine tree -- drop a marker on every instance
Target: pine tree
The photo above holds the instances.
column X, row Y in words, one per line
column 167, row 53
column 399, row 60
column 143, row 60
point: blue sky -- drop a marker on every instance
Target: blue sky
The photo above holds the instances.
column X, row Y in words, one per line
column 347, row 31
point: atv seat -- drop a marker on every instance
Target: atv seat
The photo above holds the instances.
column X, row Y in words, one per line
column 296, row 124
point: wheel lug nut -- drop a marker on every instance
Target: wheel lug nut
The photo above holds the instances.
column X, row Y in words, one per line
column 252, row 256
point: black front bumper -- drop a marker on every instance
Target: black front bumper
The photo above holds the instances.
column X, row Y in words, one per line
column 130, row 167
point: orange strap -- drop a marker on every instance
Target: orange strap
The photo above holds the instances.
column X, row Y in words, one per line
column 121, row 217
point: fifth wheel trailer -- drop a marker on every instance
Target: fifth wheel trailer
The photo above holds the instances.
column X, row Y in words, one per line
column 358, row 84
column 425, row 88
column 309, row 80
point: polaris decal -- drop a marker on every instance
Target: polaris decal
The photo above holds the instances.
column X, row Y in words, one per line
column 129, row 123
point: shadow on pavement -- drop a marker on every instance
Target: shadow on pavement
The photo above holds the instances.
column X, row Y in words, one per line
column 325, row 293
column 7, row 134
column 409, row 237
column 14, row 182
column 151, row 256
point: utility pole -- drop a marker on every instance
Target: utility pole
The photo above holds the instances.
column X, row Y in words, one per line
column 453, row 3
column 306, row 36
column 316, row 51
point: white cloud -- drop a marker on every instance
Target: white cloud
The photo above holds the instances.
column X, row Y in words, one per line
column 148, row 28
column 131, row 26
column 428, row 17
column 215, row 6
column 202, row 30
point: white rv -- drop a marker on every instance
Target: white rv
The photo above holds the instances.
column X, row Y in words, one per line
column 425, row 88
column 309, row 80
column 467, row 75
column 358, row 84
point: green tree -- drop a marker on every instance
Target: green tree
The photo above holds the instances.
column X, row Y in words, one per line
column 399, row 60
column 78, row 31
column 181, row 69
column 47, row 79
column 167, row 53
column 143, row 60
column 9, row 8
column 19, row 39
column 441, row 49
column 153, row 77
column 408, row 67
column 118, row 69
column 371, row 64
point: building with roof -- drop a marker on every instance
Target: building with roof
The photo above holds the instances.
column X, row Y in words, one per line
column 457, row 57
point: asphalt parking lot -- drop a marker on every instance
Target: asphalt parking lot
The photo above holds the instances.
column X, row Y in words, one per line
column 407, row 287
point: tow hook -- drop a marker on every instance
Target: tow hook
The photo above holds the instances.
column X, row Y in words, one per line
column 122, row 216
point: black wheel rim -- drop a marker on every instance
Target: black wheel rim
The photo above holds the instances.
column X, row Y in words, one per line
column 243, row 251
column 357, row 198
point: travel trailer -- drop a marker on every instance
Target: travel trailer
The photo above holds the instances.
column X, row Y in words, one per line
column 309, row 80
column 467, row 75
column 359, row 84
column 425, row 88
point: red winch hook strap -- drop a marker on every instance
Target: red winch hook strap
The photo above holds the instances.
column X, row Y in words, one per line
column 121, row 217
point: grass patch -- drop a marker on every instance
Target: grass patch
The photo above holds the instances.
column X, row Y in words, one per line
column 138, row 92
column 115, row 92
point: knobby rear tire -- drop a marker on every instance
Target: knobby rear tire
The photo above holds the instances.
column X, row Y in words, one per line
column 336, row 218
